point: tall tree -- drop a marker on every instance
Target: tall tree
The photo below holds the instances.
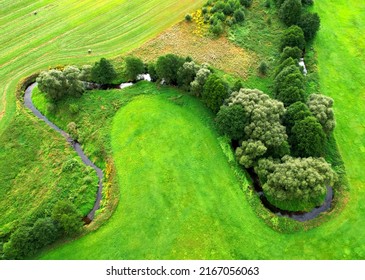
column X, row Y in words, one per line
column 290, row 11
column 103, row 72
column 215, row 92
column 133, row 67
column 310, row 23
column 292, row 37
column 231, row 121
column 167, row 67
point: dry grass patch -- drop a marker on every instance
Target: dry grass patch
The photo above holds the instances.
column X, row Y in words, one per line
column 184, row 40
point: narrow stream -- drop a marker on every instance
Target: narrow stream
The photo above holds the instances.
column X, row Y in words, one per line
column 77, row 147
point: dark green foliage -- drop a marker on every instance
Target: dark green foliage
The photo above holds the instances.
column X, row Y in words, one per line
column 293, row 52
column 267, row 4
column 21, row 244
column 217, row 28
column 290, row 11
column 74, row 108
column 238, row 84
column 74, row 87
column 295, row 112
column 167, row 67
column 279, row 3
column 289, row 85
column 186, row 74
column 231, row 121
column 67, row 217
column 152, row 71
column 292, row 37
column 287, row 62
column 296, row 183
column 44, row 232
column 133, row 67
column 307, row 2
column 246, row 3
column 215, row 92
column 310, row 23
column 103, row 72
column 239, row 15
column 188, row 17
column 263, row 68
column 307, row 138
column 249, row 152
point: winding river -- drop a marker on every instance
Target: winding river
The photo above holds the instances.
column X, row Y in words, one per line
column 299, row 216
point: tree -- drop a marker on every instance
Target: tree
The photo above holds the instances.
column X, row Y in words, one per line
column 263, row 116
column 67, row 217
column 310, row 23
column 85, row 73
column 295, row 112
column 287, row 62
column 249, row 152
column 202, row 75
column 293, row 52
column 246, row 3
column 21, row 244
column 289, row 85
column 263, row 68
column 133, row 67
column 152, row 71
column 74, row 86
column 214, row 92
column 186, row 74
column 103, row 72
column 217, row 28
column 292, row 37
column 296, row 184
column 290, row 11
column 167, row 67
column 231, row 121
column 53, row 84
column 321, row 108
column 44, row 232
column 307, row 138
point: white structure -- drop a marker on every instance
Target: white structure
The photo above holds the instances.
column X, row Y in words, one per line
column 302, row 64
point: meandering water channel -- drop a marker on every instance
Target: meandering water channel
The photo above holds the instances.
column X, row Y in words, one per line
column 299, row 216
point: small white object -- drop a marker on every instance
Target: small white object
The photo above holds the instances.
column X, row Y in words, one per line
column 301, row 63
column 124, row 85
column 144, row 77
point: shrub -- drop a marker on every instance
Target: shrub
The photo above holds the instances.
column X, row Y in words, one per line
column 74, row 108
column 290, row 11
column 85, row 73
column 246, row 3
column 307, row 2
column 231, row 121
column 72, row 130
column 295, row 112
column 188, row 17
column 44, row 232
column 215, row 92
column 307, row 138
column 263, row 68
column 238, row 84
column 167, row 67
column 202, row 75
column 133, row 67
column 287, row 62
column 103, row 72
column 292, row 37
column 268, row 4
column 310, row 23
column 239, row 15
column 217, row 28
column 249, row 152
column 186, row 74
column 21, row 244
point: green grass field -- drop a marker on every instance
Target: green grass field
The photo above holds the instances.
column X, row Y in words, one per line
column 60, row 33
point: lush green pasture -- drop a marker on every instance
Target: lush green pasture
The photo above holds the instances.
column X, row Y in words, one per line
column 60, row 33
column 180, row 198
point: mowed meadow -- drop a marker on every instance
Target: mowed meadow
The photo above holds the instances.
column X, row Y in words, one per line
column 62, row 31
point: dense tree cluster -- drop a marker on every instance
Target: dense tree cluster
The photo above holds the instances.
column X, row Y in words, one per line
column 103, row 72
column 167, row 68
column 292, row 37
column 28, row 238
column 295, row 181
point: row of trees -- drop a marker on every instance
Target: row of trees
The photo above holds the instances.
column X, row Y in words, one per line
column 28, row 238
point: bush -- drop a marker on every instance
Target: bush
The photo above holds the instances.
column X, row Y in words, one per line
column 307, row 138
column 231, row 121
column 263, row 68
column 287, row 62
column 215, row 92
column 246, row 3
column 67, row 217
column 321, row 108
column 188, row 17
column 186, row 74
column 202, row 75
column 294, row 113
column 103, row 72
column 21, row 244
column 310, row 24
column 133, row 67
column 74, row 108
column 239, row 15
column 307, row 2
column 73, row 131
column 44, row 232
column 167, row 67
column 268, row 4
column 290, row 11
column 292, row 37
column 217, row 28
